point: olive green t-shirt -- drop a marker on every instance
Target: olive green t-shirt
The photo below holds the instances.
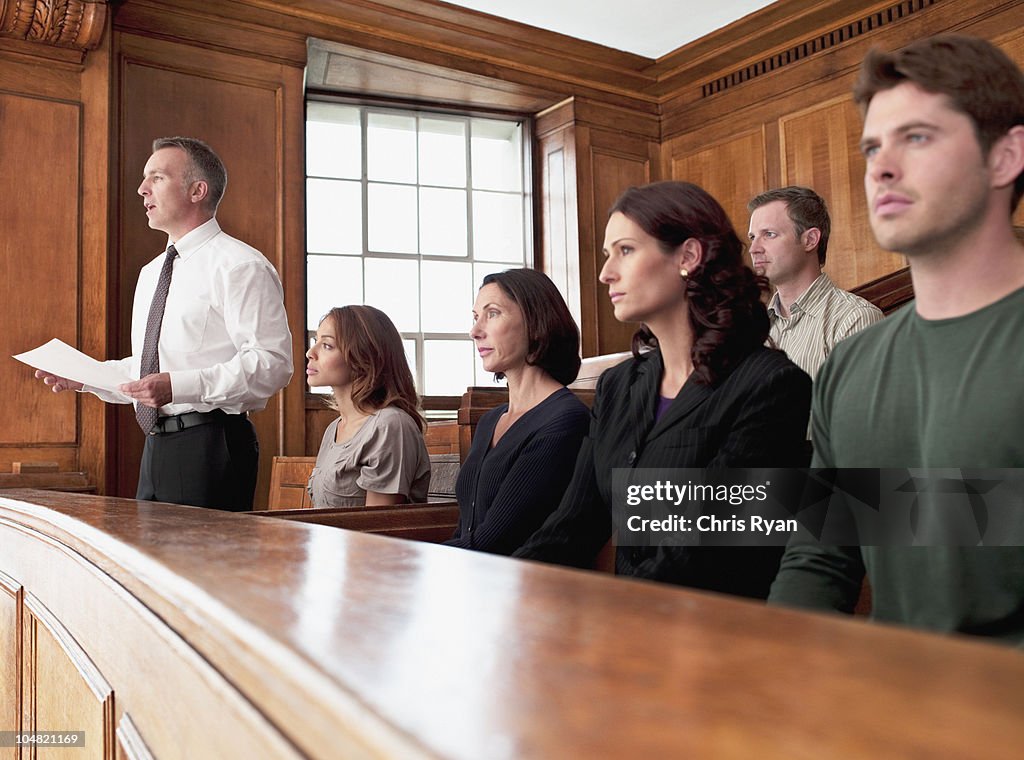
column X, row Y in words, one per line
column 910, row 392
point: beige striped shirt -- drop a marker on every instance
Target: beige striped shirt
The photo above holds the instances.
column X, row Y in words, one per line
column 821, row 317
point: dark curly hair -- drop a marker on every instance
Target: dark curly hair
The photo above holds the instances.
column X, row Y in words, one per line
column 724, row 296
column 554, row 338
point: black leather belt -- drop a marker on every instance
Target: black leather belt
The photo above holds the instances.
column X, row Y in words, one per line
column 180, row 422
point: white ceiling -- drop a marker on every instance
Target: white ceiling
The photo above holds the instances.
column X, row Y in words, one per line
column 650, row 28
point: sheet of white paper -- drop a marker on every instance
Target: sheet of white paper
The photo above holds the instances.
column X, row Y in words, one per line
column 58, row 358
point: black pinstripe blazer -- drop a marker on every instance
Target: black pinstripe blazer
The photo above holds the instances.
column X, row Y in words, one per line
column 755, row 417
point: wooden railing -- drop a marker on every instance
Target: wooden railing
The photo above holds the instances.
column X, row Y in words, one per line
column 189, row 633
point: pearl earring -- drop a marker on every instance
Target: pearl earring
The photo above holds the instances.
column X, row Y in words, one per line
column 684, row 273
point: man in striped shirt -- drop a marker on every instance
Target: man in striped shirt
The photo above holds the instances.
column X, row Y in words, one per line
column 789, row 229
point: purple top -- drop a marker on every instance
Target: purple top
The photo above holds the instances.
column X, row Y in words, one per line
column 663, row 405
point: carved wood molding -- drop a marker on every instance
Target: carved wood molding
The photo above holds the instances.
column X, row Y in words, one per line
column 817, row 44
column 74, row 24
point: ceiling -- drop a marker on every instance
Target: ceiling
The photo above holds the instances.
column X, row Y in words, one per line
column 650, row 28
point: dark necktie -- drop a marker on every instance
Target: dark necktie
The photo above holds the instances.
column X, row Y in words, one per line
column 146, row 415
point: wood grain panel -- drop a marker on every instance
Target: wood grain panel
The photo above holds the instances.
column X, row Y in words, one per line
column 64, row 690
column 733, row 171
column 352, row 645
column 238, row 107
column 130, row 744
column 10, row 660
column 560, row 248
column 819, row 149
column 612, row 173
column 39, row 260
column 432, row 33
column 348, row 69
column 180, row 703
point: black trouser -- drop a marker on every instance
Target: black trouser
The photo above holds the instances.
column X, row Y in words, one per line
column 212, row 464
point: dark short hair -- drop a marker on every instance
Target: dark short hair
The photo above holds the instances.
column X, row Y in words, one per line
column 805, row 208
column 552, row 334
column 724, row 297
column 204, row 165
column 980, row 80
column 372, row 349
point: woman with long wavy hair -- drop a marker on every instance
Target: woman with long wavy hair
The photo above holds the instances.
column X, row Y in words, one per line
column 702, row 390
column 373, row 454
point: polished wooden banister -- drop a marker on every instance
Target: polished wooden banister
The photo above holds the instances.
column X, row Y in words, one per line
column 283, row 639
column 433, row 521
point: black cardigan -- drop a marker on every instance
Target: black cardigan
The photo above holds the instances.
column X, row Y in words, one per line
column 754, row 417
column 507, row 492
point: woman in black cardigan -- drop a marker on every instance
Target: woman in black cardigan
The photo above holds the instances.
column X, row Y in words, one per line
column 705, row 391
column 522, row 454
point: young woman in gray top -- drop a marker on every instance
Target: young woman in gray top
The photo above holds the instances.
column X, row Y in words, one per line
column 373, row 454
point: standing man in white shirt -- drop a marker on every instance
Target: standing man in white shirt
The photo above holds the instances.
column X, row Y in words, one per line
column 789, row 231
column 210, row 339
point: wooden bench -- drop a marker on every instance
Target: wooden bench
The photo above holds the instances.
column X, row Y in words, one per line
column 46, row 476
column 432, row 522
column 289, row 476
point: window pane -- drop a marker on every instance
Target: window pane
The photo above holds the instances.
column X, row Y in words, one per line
column 498, row 227
column 391, row 147
column 447, row 289
column 331, row 281
column 410, row 356
column 443, row 222
column 447, row 366
column 334, row 216
column 482, row 377
column 482, row 270
column 391, row 218
column 392, row 285
column 497, row 155
column 442, row 152
column 386, row 188
column 334, row 144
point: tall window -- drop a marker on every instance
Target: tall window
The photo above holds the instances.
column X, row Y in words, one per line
column 408, row 211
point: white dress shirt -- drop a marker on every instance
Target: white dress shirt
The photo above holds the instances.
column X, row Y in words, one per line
column 225, row 340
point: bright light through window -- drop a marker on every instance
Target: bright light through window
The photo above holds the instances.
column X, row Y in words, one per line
column 408, row 211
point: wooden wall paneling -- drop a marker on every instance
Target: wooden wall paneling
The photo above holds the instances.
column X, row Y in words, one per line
column 612, row 171
column 40, row 267
column 251, row 113
column 819, row 149
column 733, row 171
column 432, row 33
column 10, row 660
column 345, row 68
column 64, row 691
column 733, row 46
column 796, row 84
column 558, row 221
column 98, row 309
column 614, row 150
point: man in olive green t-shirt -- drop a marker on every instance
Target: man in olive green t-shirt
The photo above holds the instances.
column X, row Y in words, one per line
column 939, row 384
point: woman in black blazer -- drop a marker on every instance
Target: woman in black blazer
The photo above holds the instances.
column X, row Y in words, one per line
column 702, row 389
